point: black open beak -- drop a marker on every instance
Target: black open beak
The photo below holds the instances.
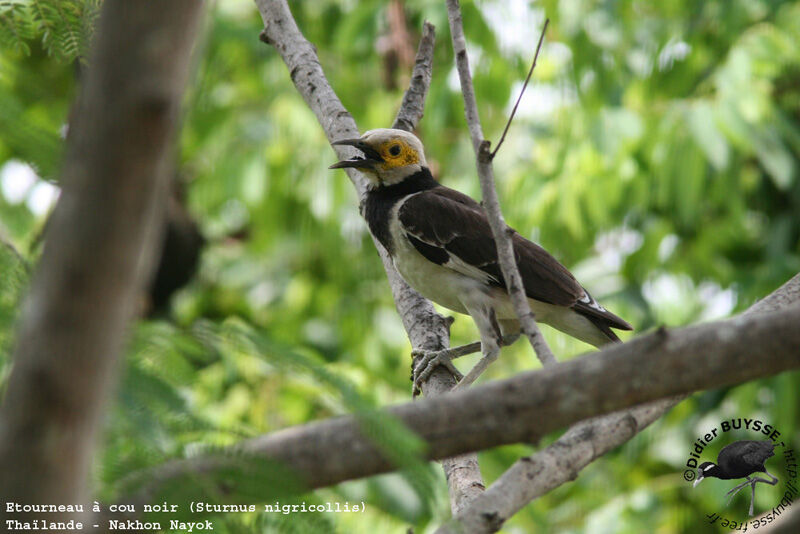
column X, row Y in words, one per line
column 368, row 161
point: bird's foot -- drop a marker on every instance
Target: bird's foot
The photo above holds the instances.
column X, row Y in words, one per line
column 430, row 360
column 478, row 369
column 736, row 490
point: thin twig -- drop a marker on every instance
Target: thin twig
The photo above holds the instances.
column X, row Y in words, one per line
column 500, row 230
column 522, row 92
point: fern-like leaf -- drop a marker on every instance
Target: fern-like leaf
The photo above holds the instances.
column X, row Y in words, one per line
column 16, row 25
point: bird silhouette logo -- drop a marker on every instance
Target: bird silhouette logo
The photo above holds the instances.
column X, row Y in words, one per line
column 740, row 459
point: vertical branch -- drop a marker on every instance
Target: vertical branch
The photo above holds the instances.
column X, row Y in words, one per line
column 464, row 75
column 462, row 472
column 500, row 230
column 427, row 330
column 98, row 252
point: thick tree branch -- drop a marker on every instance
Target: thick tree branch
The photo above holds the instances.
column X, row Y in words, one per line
column 788, row 522
column 535, row 475
column 98, row 252
column 500, row 230
column 783, row 297
column 524, row 408
column 427, row 330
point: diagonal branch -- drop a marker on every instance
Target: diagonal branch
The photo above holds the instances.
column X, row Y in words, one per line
column 500, row 230
column 535, row 475
column 427, row 330
column 413, row 105
column 528, row 406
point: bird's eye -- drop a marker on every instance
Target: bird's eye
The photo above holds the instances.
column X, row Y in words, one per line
column 394, row 150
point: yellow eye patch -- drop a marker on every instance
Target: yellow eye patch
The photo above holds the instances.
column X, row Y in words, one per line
column 397, row 153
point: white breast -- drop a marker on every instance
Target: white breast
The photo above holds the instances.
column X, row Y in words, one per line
column 435, row 282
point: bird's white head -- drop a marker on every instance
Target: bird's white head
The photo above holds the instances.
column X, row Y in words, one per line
column 389, row 156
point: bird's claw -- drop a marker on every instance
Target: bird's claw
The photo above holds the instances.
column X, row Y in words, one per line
column 428, row 361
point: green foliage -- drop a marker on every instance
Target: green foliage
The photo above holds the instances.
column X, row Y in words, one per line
column 25, row 135
column 15, row 271
column 655, row 154
column 16, row 24
column 63, row 26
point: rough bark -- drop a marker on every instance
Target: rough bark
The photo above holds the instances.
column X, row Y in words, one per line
column 98, row 252
column 526, row 407
column 788, row 522
column 427, row 330
column 413, row 105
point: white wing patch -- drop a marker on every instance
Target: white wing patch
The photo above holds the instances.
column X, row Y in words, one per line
column 454, row 262
column 460, row 266
column 589, row 301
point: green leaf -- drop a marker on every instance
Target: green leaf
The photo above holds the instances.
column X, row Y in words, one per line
column 701, row 120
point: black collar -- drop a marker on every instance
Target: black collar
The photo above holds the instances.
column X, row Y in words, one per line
column 419, row 181
column 380, row 199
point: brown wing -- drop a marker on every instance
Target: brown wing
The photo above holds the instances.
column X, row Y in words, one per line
column 451, row 229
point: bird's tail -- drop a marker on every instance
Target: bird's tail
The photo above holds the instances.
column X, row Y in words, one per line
column 600, row 317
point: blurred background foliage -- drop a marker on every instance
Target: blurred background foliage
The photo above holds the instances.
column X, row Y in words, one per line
column 655, row 154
